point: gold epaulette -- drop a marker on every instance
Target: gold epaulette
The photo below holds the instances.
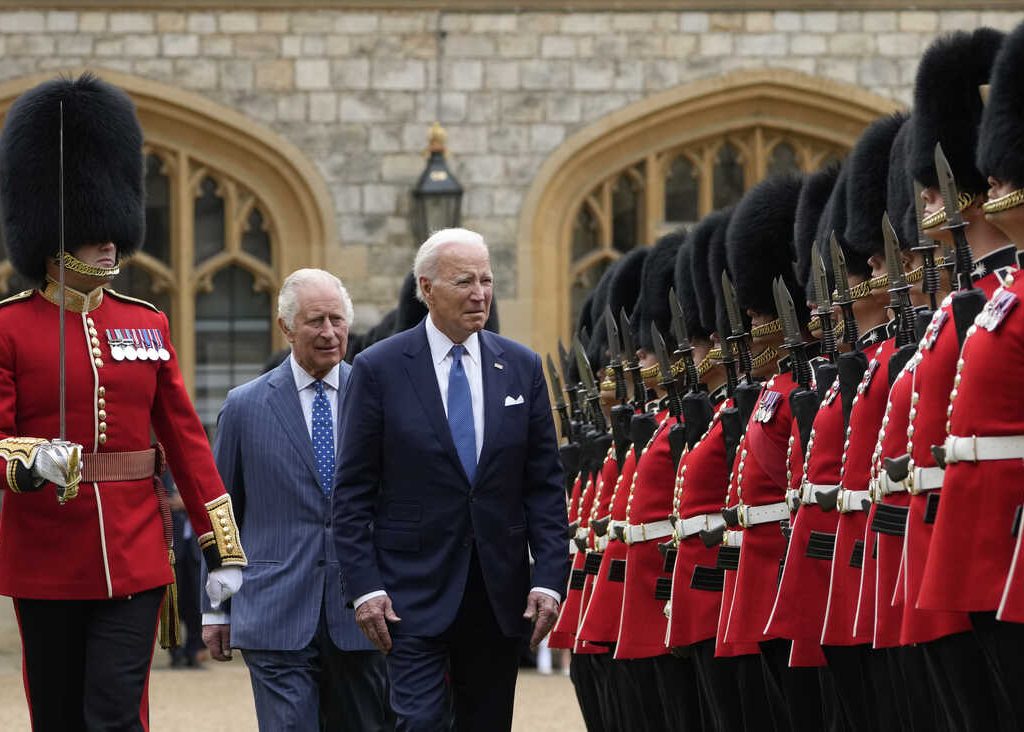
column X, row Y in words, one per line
column 23, row 295
column 222, row 546
column 128, row 298
column 19, row 451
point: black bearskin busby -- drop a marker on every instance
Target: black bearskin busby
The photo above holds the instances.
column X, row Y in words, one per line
column 867, row 183
column 1000, row 153
column 658, row 276
column 597, row 351
column 947, row 106
column 700, row 251
column 718, row 262
column 626, row 283
column 759, row 244
column 833, row 220
column 104, row 180
column 899, row 189
column 814, row 197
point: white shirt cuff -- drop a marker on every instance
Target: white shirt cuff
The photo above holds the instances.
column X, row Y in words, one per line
column 216, row 618
column 368, row 596
column 549, row 593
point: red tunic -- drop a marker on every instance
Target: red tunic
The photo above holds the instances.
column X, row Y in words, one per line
column 760, row 480
column 861, row 437
column 702, row 488
column 933, row 382
column 972, row 541
column 109, row 541
column 564, row 633
column 803, row 592
column 600, row 622
column 643, row 621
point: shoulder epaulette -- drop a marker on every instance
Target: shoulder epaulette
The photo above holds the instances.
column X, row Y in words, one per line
column 23, row 295
column 127, row 298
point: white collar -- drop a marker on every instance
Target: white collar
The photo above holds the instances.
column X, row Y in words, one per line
column 441, row 345
column 303, row 379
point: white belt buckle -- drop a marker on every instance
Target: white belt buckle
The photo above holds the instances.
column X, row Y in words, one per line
column 741, row 514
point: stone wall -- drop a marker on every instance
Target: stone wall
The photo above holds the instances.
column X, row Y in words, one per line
column 356, row 91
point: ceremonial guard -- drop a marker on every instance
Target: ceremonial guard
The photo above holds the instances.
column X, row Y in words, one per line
column 977, row 528
column 86, row 376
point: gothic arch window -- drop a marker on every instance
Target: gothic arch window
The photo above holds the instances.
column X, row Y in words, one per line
column 220, row 193
column 667, row 160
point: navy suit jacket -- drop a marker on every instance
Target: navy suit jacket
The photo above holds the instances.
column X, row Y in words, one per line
column 406, row 515
column 265, row 456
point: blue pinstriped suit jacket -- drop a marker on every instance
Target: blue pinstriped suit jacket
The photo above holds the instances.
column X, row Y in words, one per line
column 265, row 457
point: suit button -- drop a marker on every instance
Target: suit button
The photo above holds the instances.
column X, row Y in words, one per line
column 320, row 562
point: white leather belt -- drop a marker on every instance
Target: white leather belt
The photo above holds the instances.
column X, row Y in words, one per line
column 692, row 526
column 755, row 515
column 976, row 449
column 809, row 491
column 732, row 538
column 612, row 533
column 573, row 549
column 600, row 543
column 638, row 533
column 884, row 485
column 849, row 501
column 925, row 479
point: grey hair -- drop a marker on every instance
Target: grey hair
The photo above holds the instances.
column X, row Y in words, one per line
column 425, row 264
column 288, row 297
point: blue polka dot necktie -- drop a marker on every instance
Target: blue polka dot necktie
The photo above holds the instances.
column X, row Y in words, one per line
column 460, row 413
column 323, row 437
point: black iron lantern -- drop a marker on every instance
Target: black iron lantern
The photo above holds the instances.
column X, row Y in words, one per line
column 437, row 196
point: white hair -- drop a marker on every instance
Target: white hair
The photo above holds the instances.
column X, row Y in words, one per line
column 288, row 297
column 425, row 264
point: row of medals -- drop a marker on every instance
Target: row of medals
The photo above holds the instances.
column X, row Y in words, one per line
column 143, row 344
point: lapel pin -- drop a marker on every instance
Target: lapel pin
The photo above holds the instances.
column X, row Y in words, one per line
column 498, row 366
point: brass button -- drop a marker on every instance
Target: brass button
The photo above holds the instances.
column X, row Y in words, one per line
column 102, row 391
column 102, row 414
column 101, row 402
column 103, row 439
column 95, row 341
column 90, row 322
column 98, row 362
column 93, row 332
column 102, row 427
column 97, row 352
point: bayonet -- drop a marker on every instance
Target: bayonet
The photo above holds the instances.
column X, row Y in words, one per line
column 560, row 406
column 632, row 363
column 677, row 433
column 738, row 334
column 954, row 219
column 824, row 307
column 844, row 299
column 927, row 246
column 589, row 386
column 684, row 349
column 899, row 290
column 571, row 390
column 792, row 339
column 615, row 355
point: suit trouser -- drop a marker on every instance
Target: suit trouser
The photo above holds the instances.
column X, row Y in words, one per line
column 480, row 661
column 320, row 687
column 86, row 662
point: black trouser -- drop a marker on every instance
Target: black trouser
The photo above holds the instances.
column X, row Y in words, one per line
column 680, row 693
column 586, row 681
column 962, row 682
column 848, row 667
column 186, row 570
column 1003, row 646
column 87, row 661
column 794, row 694
column 722, row 680
column 917, row 708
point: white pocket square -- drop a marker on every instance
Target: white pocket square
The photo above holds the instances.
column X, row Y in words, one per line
column 513, row 401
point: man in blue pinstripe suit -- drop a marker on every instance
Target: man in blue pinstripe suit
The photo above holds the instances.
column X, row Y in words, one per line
column 311, row 668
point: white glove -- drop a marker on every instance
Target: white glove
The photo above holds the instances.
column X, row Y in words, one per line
column 60, row 463
column 222, row 583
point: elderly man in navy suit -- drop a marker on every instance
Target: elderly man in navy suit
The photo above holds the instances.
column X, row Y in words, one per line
column 448, row 479
column 310, row 666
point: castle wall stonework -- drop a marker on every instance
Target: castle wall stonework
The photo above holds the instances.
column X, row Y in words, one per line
column 356, row 91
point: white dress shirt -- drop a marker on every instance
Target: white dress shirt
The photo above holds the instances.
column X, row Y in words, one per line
column 440, row 356
column 305, row 384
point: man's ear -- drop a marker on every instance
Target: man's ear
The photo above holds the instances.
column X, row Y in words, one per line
column 425, row 287
column 284, row 329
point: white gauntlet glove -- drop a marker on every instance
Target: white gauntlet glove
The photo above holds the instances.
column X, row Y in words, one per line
column 222, row 583
column 60, row 463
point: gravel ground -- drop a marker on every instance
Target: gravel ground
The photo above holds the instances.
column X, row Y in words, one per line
column 179, row 699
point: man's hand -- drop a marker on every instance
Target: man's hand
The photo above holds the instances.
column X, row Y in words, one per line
column 373, row 617
column 60, row 463
column 542, row 611
column 218, row 639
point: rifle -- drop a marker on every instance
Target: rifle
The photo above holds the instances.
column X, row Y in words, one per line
column 696, row 403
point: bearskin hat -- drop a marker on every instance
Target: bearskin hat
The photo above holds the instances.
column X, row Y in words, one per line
column 899, row 189
column 759, row 244
column 813, row 198
column 1002, row 123
column 658, row 276
column 947, row 105
column 597, row 352
column 833, row 220
column 867, row 183
column 718, row 262
column 624, row 293
column 700, row 250
column 104, row 179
